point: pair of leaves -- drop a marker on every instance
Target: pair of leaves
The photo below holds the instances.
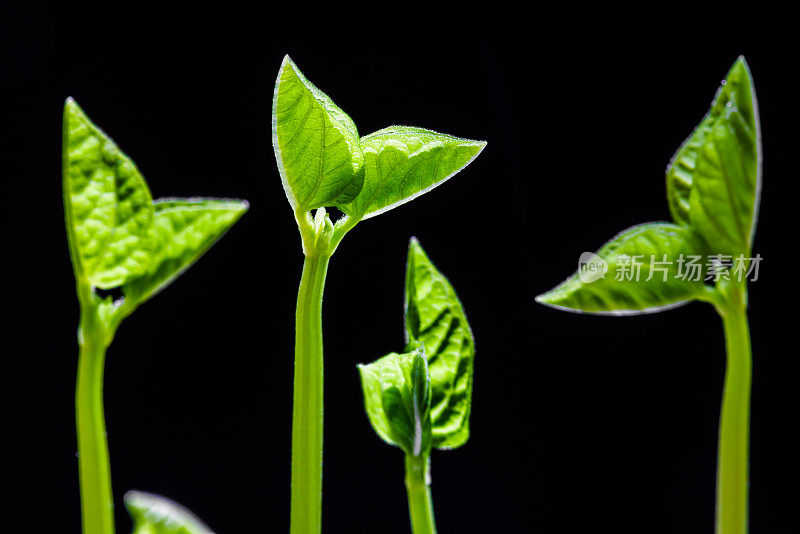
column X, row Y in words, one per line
column 436, row 329
column 713, row 185
column 118, row 236
column 324, row 163
column 153, row 514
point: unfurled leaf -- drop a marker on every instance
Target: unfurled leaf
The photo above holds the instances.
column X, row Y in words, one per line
column 397, row 398
column 108, row 206
column 153, row 514
column 644, row 269
column 316, row 144
column 184, row 229
column 712, row 181
column 435, row 318
column 403, row 162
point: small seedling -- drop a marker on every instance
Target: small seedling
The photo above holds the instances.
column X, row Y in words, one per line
column 713, row 188
column 119, row 239
column 422, row 398
column 323, row 163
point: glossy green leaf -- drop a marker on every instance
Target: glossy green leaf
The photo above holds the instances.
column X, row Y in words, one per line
column 184, row 229
column 316, row 144
column 649, row 268
column 713, row 179
column 107, row 203
column 434, row 317
column 403, row 162
column 153, row 514
column 397, row 399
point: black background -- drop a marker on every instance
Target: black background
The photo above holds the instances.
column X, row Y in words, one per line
column 579, row 423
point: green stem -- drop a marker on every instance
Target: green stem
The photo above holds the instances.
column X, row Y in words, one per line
column 734, row 429
column 420, row 505
column 306, row 504
column 97, row 504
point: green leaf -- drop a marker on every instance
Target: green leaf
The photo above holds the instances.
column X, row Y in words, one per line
column 434, row 317
column 638, row 262
column 397, row 399
column 713, row 179
column 184, row 230
column 153, row 514
column 107, row 203
column 402, row 163
column 316, row 144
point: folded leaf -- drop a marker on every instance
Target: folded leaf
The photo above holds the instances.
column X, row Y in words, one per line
column 184, row 229
column 434, row 317
column 316, row 144
column 403, row 162
column 724, row 198
column 713, row 179
column 649, row 268
column 153, row 514
column 107, row 204
column 397, row 399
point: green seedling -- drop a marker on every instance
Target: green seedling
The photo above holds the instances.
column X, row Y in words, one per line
column 324, row 163
column 422, row 398
column 713, row 189
column 119, row 238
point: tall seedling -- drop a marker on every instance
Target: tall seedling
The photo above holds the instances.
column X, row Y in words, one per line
column 119, row 238
column 713, row 188
column 323, row 163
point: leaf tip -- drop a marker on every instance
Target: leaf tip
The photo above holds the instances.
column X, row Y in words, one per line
column 545, row 298
column 740, row 69
column 555, row 299
column 415, row 250
column 287, row 61
column 73, row 110
column 243, row 206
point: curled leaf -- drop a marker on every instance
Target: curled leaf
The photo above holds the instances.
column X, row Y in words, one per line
column 713, row 179
column 397, row 399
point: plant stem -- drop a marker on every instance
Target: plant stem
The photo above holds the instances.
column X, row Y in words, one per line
column 734, row 429
column 420, row 505
column 306, row 504
column 97, row 504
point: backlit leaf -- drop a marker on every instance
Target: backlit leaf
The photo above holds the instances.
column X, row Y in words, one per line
column 107, row 203
column 184, row 229
column 397, row 399
column 648, row 270
column 316, row 144
column 403, row 162
column 713, row 179
column 434, row 317
column 153, row 514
